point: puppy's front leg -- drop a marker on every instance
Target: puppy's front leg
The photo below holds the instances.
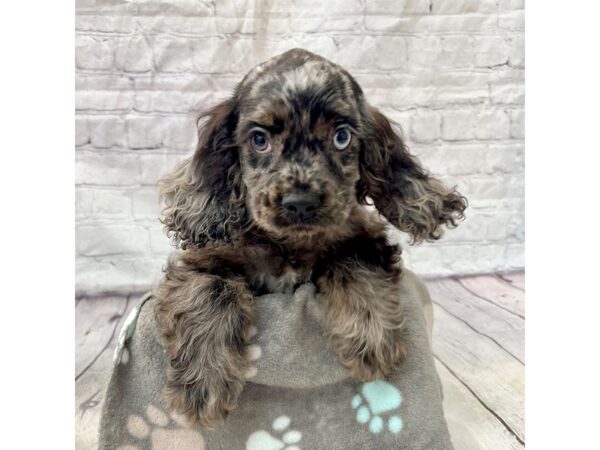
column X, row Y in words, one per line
column 204, row 319
column 364, row 315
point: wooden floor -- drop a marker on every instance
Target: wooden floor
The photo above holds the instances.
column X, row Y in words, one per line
column 478, row 344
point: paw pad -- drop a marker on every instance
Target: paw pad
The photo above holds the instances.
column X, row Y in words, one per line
column 264, row 440
column 158, row 431
column 377, row 399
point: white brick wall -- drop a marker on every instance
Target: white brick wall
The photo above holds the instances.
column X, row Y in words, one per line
column 450, row 72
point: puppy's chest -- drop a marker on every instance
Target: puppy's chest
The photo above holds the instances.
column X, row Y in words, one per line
column 278, row 276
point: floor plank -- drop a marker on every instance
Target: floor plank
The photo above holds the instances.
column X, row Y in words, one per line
column 515, row 279
column 503, row 327
column 471, row 425
column 494, row 376
column 95, row 322
column 91, row 383
column 494, row 289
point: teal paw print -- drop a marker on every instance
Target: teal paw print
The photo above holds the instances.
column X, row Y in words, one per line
column 373, row 400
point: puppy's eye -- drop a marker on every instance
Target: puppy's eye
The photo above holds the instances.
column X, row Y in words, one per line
column 342, row 138
column 259, row 141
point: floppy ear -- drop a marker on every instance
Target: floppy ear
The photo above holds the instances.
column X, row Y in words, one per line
column 401, row 189
column 204, row 197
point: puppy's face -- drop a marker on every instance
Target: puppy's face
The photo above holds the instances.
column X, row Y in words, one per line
column 294, row 151
column 299, row 135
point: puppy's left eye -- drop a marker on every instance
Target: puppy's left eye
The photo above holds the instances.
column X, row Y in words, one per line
column 342, row 138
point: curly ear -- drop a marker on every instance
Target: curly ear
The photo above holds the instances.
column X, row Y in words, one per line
column 204, row 197
column 401, row 189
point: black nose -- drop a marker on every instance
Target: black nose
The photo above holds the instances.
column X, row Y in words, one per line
column 301, row 206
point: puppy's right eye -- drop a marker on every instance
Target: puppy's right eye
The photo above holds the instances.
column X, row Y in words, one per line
column 259, row 141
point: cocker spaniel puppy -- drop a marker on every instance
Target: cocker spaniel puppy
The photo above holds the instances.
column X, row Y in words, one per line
column 273, row 197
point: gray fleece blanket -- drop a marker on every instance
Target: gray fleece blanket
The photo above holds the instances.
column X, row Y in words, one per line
column 297, row 396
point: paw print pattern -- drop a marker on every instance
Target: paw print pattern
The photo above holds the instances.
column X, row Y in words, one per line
column 375, row 399
column 158, row 431
column 253, row 352
column 263, row 440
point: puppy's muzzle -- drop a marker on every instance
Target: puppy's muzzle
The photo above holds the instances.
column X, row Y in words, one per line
column 301, row 207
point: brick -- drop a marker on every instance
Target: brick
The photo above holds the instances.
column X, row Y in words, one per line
column 107, row 131
column 154, row 166
column 514, row 256
column 170, row 101
column 391, row 53
column 329, row 9
column 457, row 52
column 513, row 20
column 134, row 54
column 516, row 56
column 423, row 52
column 146, row 204
column 173, row 54
column 490, row 191
column 391, row 7
column 239, row 8
column 473, row 158
column 414, row 7
column 93, row 53
column 481, row 226
column 517, row 124
column 84, row 200
column 425, row 126
column 180, row 133
column 101, row 100
column 457, row 125
column 492, row 125
column 117, row 274
column 324, row 23
column 160, row 244
column 504, row 5
column 427, row 24
column 84, row 5
column 205, row 54
column 115, row 168
column 507, row 94
column 491, row 51
column 111, row 239
column 462, row 6
column 111, row 204
column 355, row 53
column 145, row 132
column 82, row 131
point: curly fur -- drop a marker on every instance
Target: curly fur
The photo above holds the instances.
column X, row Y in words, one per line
column 204, row 196
column 224, row 208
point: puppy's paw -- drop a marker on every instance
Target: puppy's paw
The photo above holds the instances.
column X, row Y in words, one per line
column 376, row 363
column 203, row 402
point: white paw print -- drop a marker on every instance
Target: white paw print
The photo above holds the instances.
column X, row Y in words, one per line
column 263, row 440
column 374, row 400
column 158, row 431
column 253, row 351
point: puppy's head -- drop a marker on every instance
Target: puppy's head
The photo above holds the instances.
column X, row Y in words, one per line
column 293, row 152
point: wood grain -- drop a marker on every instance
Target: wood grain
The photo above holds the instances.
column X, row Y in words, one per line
column 494, row 289
column 471, row 425
column 504, row 328
column 98, row 326
column 515, row 279
column 494, row 377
